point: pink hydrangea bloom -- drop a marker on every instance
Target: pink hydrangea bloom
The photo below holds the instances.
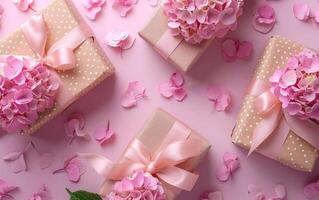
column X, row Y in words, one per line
column 297, row 85
column 197, row 20
column 93, row 7
column 140, row 185
column 27, row 88
column 23, row 5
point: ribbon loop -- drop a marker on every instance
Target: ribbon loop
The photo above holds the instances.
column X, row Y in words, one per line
column 162, row 164
column 61, row 55
column 276, row 121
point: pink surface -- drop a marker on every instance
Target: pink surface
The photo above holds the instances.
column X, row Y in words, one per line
column 143, row 64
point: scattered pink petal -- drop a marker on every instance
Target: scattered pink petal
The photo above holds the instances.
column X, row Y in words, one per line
column 123, row 6
column 231, row 164
column 120, row 39
column 103, row 134
column 46, row 160
column 301, row 11
column 213, row 196
column 93, row 7
column 316, row 16
column 74, row 168
column 260, row 196
column 264, row 19
column 223, row 174
column 280, row 191
column 5, row 189
column 174, row 87
column 16, row 160
column 132, row 94
column 219, row 97
column 42, row 194
column 252, row 189
column 23, row 5
column 311, row 190
column 232, row 49
column 74, row 127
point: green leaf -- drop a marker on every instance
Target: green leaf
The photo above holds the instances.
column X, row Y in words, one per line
column 83, row 195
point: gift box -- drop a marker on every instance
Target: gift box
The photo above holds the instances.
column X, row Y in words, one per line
column 161, row 134
column 63, row 28
column 173, row 48
column 288, row 144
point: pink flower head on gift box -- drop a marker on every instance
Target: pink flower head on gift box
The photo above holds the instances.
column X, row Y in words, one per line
column 197, row 20
column 27, row 88
column 297, row 85
column 140, row 185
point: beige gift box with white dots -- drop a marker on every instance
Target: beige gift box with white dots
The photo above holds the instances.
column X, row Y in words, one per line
column 92, row 65
column 295, row 152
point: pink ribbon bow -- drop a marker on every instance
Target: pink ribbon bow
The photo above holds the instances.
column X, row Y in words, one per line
column 276, row 122
column 164, row 164
column 60, row 56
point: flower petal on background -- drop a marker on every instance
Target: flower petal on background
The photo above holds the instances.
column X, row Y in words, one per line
column 301, row 11
column 311, row 191
column 23, row 5
column 179, row 94
column 177, row 79
column 42, row 194
column 222, row 174
column 215, row 196
column 134, row 92
column 316, row 16
column 18, row 165
column 245, row 50
column 280, row 191
column 93, row 8
column 123, row 6
column 103, row 134
column 165, row 90
column 74, row 168
column 229, row 50
column 264, row 19
column 5, row 188
column 219, row 97
column 74, row 127
column 120, row 38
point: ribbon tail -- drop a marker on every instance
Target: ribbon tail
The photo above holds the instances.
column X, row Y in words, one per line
column 178, row 177
column 265, row 128
column 35, row 32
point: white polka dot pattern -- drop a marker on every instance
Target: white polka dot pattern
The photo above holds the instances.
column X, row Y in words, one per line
column 92, row 65
column 295, row 152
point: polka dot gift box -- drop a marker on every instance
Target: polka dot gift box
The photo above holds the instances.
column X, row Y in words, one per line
column 280, row 113
column 46, row 65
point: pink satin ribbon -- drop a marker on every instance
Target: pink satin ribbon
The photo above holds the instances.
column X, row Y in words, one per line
column 61, row 54
column 276, row 122
column 176, row 149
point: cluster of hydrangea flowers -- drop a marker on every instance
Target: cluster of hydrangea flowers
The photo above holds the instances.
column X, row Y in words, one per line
column 139, row 186
column 27, row 88
column 197, row 20
column 297, row 85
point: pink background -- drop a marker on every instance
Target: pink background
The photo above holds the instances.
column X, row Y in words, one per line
column 143, row 64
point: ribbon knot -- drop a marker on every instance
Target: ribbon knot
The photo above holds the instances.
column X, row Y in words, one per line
column 275, row 121
column 164, row 163
column 60, row 55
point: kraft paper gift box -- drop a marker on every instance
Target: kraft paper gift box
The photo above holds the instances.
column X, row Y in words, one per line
column 159, row 129
column 179, row 53
column 293, row 151
column 92, row 65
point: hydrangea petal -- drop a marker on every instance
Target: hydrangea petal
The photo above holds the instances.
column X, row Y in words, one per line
column 132, row 94
column 223, row 174
column 245, row 50
column 301, row 11
column 46, row 160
